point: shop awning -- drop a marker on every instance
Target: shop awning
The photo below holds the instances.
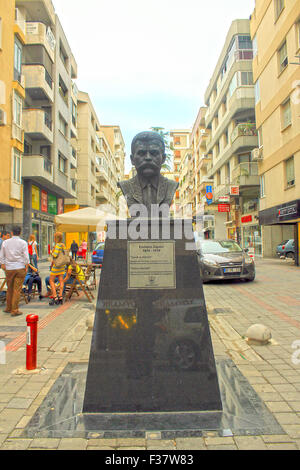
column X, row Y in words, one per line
column 88, row 219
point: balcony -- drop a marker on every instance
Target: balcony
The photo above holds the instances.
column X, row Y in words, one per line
column 39, row 33
column 204, row 161
column 39, row 84
column 221, row 190
column 204, row 182
column 102, row 194
column 246, row 174
column 39, row 9
column 38, row 124
column 38, row 168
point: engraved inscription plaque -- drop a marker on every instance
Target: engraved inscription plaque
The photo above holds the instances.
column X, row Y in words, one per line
column 151, row 265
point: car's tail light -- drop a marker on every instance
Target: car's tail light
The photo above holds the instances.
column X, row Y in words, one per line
column 283, row 247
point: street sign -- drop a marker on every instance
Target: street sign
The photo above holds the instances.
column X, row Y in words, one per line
column 223, row 207
column 235, row 190
column 224, row 199
column 209, row 194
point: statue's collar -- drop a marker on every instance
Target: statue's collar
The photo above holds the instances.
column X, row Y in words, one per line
column 154, row 181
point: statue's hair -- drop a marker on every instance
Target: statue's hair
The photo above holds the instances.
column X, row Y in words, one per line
column 146, row 136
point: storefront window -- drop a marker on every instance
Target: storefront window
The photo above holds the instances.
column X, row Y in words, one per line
column 35, row 198
column 52, row 204
column 252, row 239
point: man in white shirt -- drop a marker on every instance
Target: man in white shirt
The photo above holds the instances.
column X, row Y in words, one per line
column 14, row 259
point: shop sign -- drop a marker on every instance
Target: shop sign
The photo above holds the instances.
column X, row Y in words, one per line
column 35, row 194
column 246, row 219
column 44, row 201
column 52, row 204
column 223, row 207
column 209, row 194
column 288, row 211
column 60, row 206
column 234, row 190
column 224, row 199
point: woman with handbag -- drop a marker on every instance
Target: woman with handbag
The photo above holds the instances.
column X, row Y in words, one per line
column 58, row 266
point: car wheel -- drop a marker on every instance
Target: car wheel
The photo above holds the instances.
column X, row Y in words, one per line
column 290, row 255
column 183, row 355
column 249, row 279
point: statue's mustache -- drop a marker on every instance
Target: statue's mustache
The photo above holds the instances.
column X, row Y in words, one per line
column 148, row 165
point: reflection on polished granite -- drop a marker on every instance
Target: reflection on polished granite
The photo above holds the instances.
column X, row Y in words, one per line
column 60, row 414
column 151, row 348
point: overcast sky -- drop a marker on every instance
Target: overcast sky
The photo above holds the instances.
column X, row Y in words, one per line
column 147, row 62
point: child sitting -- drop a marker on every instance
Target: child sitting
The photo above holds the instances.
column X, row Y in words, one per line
column 32, row 277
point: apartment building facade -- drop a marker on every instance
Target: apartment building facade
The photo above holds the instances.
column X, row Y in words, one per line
column 230, row 120
column 12, row 94
column 47, row 62
column 275, row 32
column 183, row 172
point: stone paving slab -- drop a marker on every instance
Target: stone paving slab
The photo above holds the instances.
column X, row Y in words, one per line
column 272, row 299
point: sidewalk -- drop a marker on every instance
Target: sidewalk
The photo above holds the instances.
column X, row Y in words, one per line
column 64, row 337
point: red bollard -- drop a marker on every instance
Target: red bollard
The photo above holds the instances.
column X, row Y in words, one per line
column 31, row 341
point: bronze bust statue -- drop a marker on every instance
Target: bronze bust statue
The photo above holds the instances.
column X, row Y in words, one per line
column 148, row 188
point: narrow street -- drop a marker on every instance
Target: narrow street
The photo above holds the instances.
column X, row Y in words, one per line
column 273, row 371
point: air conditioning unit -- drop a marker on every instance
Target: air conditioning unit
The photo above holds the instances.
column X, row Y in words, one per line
column 3, row 118
column 256, row 154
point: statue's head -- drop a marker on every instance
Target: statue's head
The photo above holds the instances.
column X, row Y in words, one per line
column 148, row 153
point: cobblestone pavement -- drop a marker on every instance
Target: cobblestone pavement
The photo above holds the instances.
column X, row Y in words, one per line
column 272, row 370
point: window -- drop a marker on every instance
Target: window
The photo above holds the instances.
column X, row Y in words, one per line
column 63, row 55
column 63, row 127
column 262, row 186
column 74, row 113
column 63, row 90
column 62, row 163
column 297, row 40
column 254, row 44
column 290, row 172
column 233, row 85
column 257, row 92
column 282, row 57
column 17, row 110
column 286, row 114
column 246, row 78
column 17, row 166
column 279, row 6
column 245, row 42
column 17, row 60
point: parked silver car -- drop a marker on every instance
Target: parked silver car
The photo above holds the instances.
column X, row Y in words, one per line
column 224, row 259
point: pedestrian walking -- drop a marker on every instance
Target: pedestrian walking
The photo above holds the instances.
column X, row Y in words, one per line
column 84, row 249
column 4, row 236
column 58, row 267
column 33, row 251
column 14, row 259
column 74, row 249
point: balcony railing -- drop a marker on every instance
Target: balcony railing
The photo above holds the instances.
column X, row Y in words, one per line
column 245, row 169
column 48, row 121
column 244, row 129
column 48, row 165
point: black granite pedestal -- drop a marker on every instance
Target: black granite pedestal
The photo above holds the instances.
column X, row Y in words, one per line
column 151, row 348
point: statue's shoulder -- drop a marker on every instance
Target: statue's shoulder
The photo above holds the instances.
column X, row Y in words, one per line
column 173, row 185
column 127, row 185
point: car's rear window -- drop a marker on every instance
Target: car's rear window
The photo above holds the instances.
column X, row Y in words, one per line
column 219, row 246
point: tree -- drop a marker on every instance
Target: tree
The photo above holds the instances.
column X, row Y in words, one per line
column 168, row 165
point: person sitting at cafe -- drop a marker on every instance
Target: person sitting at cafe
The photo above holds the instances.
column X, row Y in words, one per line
column 32, row 277
column 74, row 271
